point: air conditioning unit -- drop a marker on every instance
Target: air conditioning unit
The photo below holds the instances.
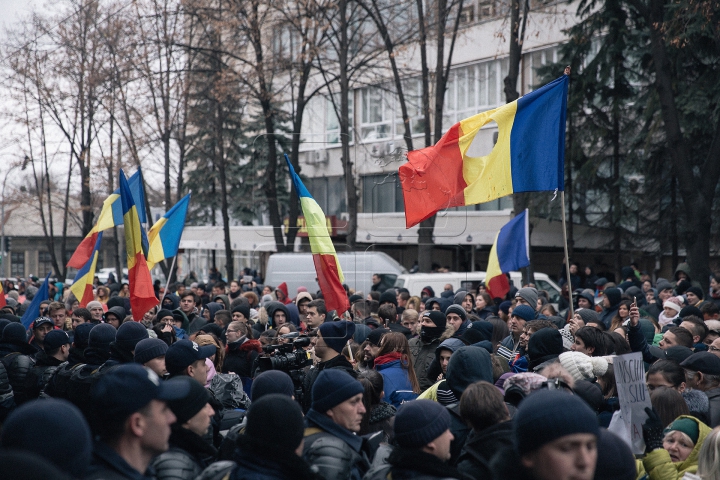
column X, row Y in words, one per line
column 389, row 148
column 317, row 156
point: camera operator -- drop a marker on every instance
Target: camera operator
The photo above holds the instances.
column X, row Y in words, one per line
column 329, row 342
column 242, row 350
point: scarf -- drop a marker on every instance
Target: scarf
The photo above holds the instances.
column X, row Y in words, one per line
column 663, row 320
column 428, row 334
column 388, row 357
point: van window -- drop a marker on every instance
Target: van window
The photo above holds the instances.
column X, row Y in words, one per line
column 470, row 286
column 400, row 283
column 553, row 294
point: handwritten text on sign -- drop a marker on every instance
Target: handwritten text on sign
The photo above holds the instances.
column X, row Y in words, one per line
column 633, row 395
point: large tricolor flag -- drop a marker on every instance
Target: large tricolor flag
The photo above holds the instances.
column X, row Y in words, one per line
column 529, row 156
column 82, row 286
column 327, row 266
column 142, row 295
column 511, row 251
column 164, row 236
column 33, row 310
column 110, row 216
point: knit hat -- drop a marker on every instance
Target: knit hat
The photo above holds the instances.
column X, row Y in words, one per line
column 93, row 304
column 163, row 313
column 376, row 335
column 149, row 348
column 614, row 295
column 690, row 310
column 81, row 335
column 529, row 294
column 419, row 423
column 697, row 291
column 57, row 338
column 588, row 315
column 505, row 306
column 588, row 295
column 332, row 387
column 590, row 392
column 685, row 425
column 244, row 309
column 55, row 428
column 14, row 333
column 663, row 285
column 472, row 336
column 457, row 309
column 583, row 367
column 615, row 460
column 388, row 296
column 524, row 312
column 548, row 415
column 213, row 328
column 129, row 334
column 336, row 334
column 272, row 414
column 271, row 382
column 672, row 304
column 192, row 402
column 102, row 335
column 438, row 318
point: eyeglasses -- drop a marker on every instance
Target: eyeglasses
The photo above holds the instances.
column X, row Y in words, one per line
column 713, row 348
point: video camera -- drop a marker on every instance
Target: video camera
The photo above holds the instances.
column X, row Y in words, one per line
column 290, row 358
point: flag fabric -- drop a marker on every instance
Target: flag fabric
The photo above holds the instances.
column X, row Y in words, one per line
column 164, row 236
column 33, row 310
column 82, row 286
column 529, row 156
column 110, row 216
column 142, row 295
column 327, row 266
column 511, row 251
column 3, row 302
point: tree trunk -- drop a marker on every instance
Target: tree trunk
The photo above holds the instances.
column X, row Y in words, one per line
column 350, row 186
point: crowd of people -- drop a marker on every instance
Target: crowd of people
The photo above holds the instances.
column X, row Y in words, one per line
column 249, row 381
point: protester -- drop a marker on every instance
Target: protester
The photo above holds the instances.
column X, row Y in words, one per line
column 150, row 353
column 433, row 331
column 394, row 363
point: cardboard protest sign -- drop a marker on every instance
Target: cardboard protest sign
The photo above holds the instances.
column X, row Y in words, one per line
column 633, row 395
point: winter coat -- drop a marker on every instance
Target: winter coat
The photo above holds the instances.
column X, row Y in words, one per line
column 187, row 456
column 659, row 466
column 452, row 344
column 423, row 354
column 481, row 446
column 240, row 357
column 18, row 368
column 333, row 451
column 382, row 419
column 410, row 463
column 397, row 386
column 258, row 462
column 7, row 398
column 274, row 307
column 311, row 375
column 39, row 375
column 714, row 414
column 107, row 464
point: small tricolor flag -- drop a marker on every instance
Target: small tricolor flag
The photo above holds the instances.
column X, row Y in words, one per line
column 82, row 286
column 110, row 216
column 164, row 236
column 327, row 266
column 142, row 295
column 510, row 252
column 529, row 156
column 33, row 310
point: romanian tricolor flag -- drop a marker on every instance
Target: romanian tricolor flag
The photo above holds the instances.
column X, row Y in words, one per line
column 511, row 251
column 327, row 266
column 142, row 295
column 82, row 286
column 529, row 156
column 110, row 216
column 164, row 236
column 3, row 302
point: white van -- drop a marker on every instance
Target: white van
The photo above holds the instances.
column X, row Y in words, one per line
column 298, row 269
column 469, row 281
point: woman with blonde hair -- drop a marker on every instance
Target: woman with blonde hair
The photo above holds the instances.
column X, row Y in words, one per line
column 395, row 364
column 709, row 458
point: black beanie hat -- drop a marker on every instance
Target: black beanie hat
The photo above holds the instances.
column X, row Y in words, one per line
column 81, row 335
column 272, row 414
column 376, row 335
column 336, row 334
column 188, row 406
column 101, row 336
column 244, row 309
column 163, row 313
column 332, row 387
column 697, row 291
column 690, row 310
column 129, row 334
column 271, row 382
column 388, row 296
column 613, row 295
column 149, row 348
column 438, row 318
column 213, row 328
column 55, row 428
column 419, row 423
column 547, row 415
column 458, row 309
column 615, row 460
column 14, row 333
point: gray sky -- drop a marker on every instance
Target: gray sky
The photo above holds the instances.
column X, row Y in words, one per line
column 9, row 10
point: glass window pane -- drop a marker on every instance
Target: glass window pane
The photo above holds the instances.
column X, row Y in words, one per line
column 493, row 97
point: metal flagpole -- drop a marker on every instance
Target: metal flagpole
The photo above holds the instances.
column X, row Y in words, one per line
column 567, row 259
column 172, row 267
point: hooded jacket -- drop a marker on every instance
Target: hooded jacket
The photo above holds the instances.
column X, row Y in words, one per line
column 659, row 466
column 397, row 386
column 274, row 307
column 283, row 288
column 545, row 345
column 609, row 313
column 424, row 353
column 480, row 447
column 435, row 369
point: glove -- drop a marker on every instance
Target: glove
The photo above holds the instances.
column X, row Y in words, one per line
column 653, row 431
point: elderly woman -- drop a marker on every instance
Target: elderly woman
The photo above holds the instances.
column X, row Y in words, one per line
column 673, row 451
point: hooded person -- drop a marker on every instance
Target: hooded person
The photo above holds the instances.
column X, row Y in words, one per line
column 434, row 329
column 127, row 336
column 544, row 347
column 429, row 302
column 293, row 314
column 611, row 303
column 181, row 323
column 427, row 292
column 458, row 320
column 224, row 301
column 171, row 302
column 17, row 364
column 283, row 298
column 615, row 459
column 439, row 367
column 278, row 314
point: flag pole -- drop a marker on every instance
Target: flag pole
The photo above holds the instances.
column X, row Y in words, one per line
column 167, row 282
column 565, row 242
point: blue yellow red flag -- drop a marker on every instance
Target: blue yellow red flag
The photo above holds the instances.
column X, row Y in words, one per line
column 164, row 236
column 82, row 286
column 510, row 252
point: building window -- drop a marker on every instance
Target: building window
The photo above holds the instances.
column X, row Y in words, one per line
column 332, row 124
column 382, row 193
column 329, row 193
column 44, row 263
column 382, row 115
column 17, row 264
column 534, row 60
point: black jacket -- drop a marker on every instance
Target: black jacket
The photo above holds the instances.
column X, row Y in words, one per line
column 188, row 455
column 240, row 357
column 481, row 446
column 338, row 362
column 415, row 464
column 40, row 373
column 18, row 368
column 108, row 465
column 7, row 398
column 257, row 463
